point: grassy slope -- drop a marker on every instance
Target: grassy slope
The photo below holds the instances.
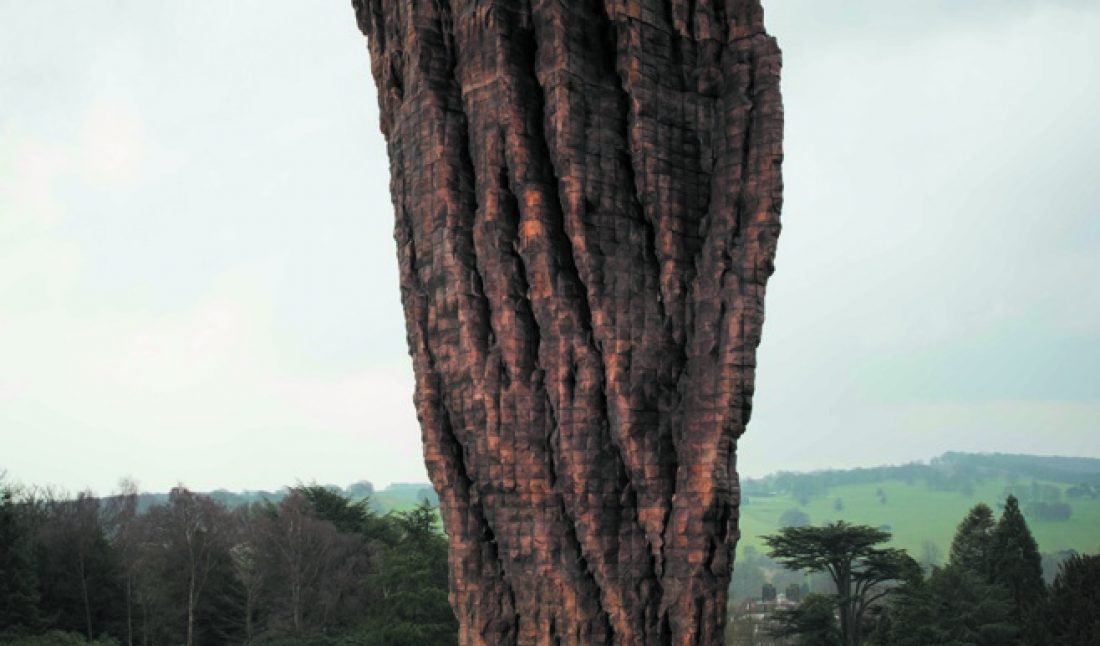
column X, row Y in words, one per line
column 916, row 513
column 383, row 502
column 402, row 496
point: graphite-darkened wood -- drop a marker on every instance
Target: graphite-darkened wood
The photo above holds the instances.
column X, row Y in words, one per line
column 587, row 199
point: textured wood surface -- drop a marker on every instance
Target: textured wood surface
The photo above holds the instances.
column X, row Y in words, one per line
column 587, row 199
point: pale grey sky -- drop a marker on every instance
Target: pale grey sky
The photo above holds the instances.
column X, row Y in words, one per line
column 198, row 278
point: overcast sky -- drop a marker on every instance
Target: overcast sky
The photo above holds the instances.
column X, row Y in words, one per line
column 198, row 277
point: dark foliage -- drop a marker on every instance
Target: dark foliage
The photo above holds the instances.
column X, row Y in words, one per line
column 78, row 570
column 313, row 568
column 852, row 556
column 955, row 606
column 1015, row 562
column 971, row 548
column 794, row 517
column 1074, row 609
column 19, row 596
column 811, row 623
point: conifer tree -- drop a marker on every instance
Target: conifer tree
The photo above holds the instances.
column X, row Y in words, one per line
column 1074, row 616
column 413, row 609
column 1015, row 563
column 956, row 605
column 18, row 581
column 1014, row 557
column 862, row 571
column 972, row 543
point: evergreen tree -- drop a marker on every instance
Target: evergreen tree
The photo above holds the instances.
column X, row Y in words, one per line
column 79, row 572
column 347, row 515
column 862, row 571
column 1074, row 616
column 413, row 608
column 811, row 623
column 1014, row 557
column 794, row 517
column 19, row 598
column 1016, row 564
column 954, row 606
column 971, row 546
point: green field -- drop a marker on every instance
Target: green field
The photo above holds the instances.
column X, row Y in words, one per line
column 402, row 497
column 916, row 513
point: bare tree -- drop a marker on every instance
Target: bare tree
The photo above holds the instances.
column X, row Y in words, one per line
column 195, row 528
column 120, row 518
column 247, row 567
column 312, row 570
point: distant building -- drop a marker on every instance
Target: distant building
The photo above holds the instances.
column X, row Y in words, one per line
column 750, row 620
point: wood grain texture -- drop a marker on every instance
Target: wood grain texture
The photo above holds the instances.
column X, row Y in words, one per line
column 587, row 200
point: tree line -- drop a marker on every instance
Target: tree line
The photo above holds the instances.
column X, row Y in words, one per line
column 952, row 471
column 991, row 592
column 316, row 567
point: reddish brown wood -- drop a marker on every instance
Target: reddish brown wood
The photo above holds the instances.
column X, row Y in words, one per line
column 587, row 197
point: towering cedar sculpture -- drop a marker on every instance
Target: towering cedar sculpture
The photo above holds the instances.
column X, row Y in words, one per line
column 587, row 196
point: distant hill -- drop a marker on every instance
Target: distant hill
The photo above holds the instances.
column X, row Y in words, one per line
column 1066, row 470
column 922, row 503
column 951, row 471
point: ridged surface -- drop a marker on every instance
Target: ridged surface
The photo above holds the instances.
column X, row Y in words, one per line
column 587, row 201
